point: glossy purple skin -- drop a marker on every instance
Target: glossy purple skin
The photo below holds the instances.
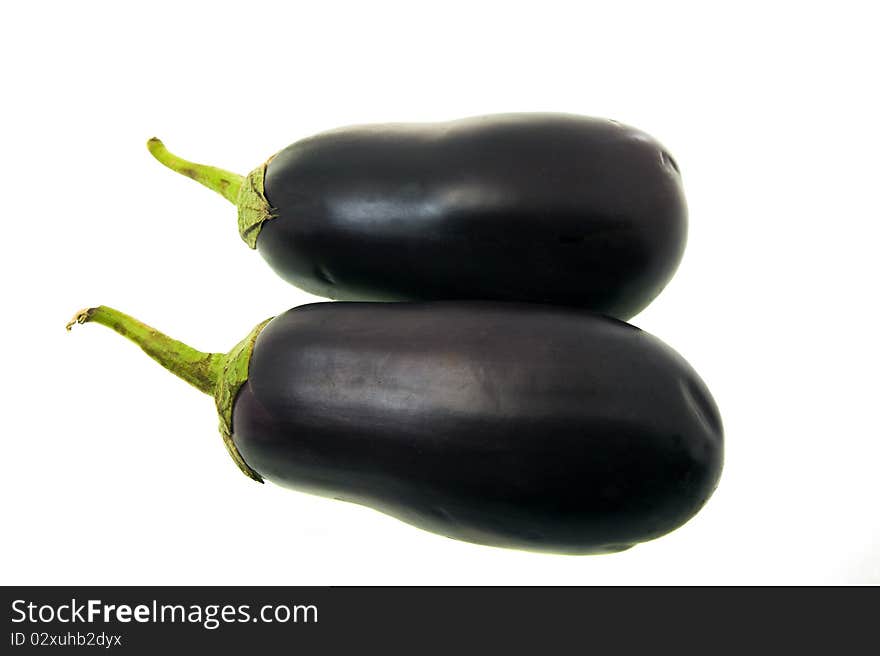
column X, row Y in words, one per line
column 546, row 208
column 512, row 425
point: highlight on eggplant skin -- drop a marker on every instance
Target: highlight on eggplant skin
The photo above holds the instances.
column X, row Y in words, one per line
column 548, row 208
column 520, row 426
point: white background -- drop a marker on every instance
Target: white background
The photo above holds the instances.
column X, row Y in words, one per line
column 114, row 472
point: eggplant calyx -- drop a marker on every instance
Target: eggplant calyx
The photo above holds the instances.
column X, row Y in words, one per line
column 253, row 208
column 233, row 376
column 219, row 374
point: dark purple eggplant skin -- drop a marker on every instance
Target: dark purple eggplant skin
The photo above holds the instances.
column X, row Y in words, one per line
column 525, row 426
column 544, row 208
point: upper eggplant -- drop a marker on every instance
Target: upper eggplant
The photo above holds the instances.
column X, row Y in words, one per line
column 547, row 208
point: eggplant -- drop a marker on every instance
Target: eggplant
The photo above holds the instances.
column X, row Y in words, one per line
column 522, row 426
column 545, row 208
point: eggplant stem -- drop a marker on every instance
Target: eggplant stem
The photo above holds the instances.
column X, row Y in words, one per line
column 201, row 370
column 225, row 183
column 219, row 374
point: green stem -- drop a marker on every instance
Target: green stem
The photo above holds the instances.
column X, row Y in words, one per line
column 225, row 183
column 219, row 374
column 201, row 370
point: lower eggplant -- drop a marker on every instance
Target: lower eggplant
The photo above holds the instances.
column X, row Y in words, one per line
column 521, row 426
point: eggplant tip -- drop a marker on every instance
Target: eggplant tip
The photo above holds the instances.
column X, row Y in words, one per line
column 80, row 317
